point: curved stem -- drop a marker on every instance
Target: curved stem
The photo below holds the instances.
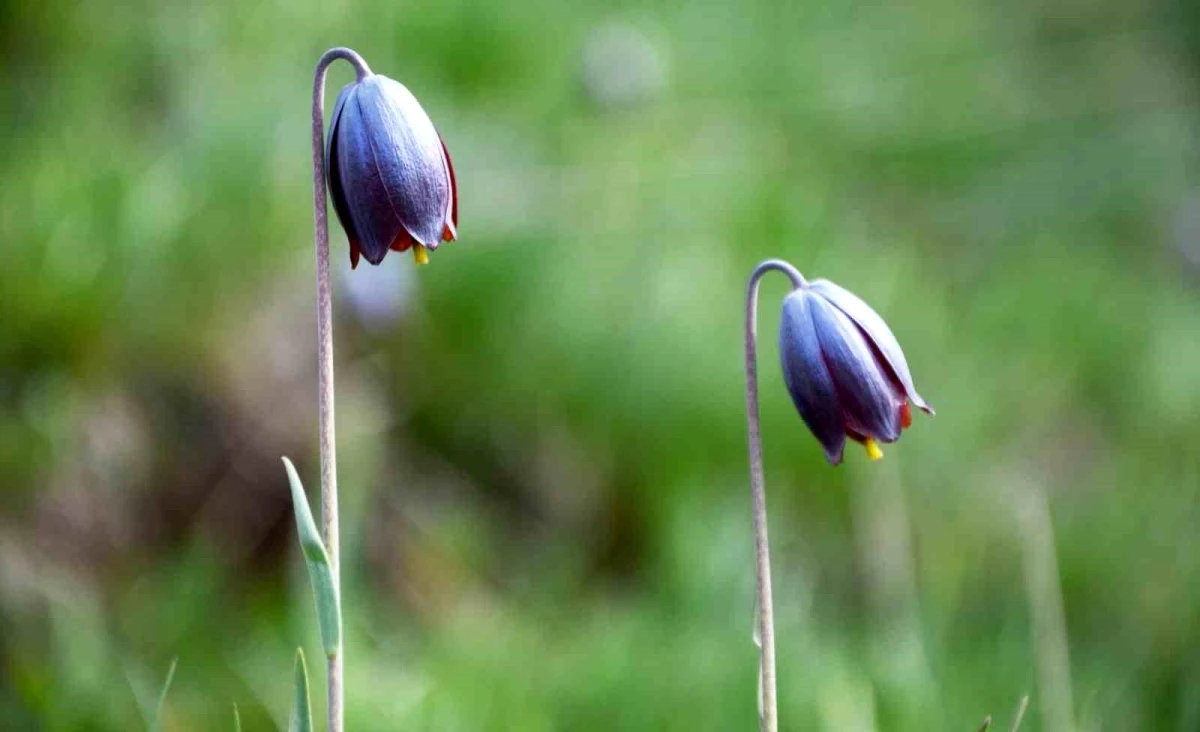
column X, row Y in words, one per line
column 768, row 712
column 329, row 504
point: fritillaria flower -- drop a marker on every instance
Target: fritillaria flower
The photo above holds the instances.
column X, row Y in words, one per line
column 848, row 378
column 393, row 187
column 844, row 369
column 390, row 175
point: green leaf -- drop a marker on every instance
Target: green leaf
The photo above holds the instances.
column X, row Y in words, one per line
column 301, row 720
column 237, row 720
column 156, row 725
column 329, row 609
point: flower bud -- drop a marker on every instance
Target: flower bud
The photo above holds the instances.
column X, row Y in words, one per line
column 844, row 369
column 390, row 176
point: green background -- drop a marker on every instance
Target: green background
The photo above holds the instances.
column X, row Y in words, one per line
column 542, row 442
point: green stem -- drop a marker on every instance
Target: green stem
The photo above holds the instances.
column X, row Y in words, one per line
column 765, row 625
column 329, row 504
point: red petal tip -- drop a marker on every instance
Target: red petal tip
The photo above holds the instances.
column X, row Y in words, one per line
column 453, row 183
column 403, row 242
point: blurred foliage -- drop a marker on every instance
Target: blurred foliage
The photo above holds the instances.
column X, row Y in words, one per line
column 546, row 518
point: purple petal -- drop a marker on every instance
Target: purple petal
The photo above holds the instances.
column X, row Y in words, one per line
column 333, row 121
column 870, row 403
column 409, row 157
column 807, row 376
column 364, row 189
column 336, row 193
column 876, row 330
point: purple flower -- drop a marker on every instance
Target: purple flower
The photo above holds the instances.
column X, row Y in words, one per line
column 844, row 369
column 390, row 176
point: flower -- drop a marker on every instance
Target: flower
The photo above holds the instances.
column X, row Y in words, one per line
column 390, row 176
column 844, row 369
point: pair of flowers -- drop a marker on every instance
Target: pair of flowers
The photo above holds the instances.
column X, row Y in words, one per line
column 393, row 188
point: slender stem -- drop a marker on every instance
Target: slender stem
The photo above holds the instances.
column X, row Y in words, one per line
column 768, row 712
column 329, row 505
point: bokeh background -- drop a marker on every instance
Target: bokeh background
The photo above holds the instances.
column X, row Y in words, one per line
column 542, row 443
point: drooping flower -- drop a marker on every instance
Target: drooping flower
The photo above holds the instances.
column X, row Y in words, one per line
column 390, row 175
column 844, row 369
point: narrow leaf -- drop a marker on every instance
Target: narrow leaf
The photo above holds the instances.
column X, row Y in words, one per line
column 237, row 720
column 301, row 720
column 329, row 610
column 987, row 724
column 1024, row 705
column 156, row 726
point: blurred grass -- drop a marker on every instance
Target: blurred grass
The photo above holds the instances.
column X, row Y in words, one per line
column 546, row 517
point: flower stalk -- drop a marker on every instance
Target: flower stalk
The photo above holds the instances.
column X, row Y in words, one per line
column 765, row 622
column 328, row 446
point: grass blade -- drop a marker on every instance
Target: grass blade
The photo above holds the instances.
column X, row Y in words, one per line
column 156, row 725
column 1020, row 713
column 237, row 720
column 301, row 720
column 329, row 611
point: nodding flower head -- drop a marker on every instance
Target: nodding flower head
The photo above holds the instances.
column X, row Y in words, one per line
column 390, row 176
column 844, row 369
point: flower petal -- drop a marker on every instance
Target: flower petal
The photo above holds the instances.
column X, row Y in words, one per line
column 408, row 155
column 450, row 227
column 338, row 106
column 807, row 376
column 336, row 193
column 364, row 189
column 869, row 401
column 876, row 330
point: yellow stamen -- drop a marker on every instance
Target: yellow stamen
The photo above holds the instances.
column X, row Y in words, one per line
column 873, row 451
column 420, row 254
